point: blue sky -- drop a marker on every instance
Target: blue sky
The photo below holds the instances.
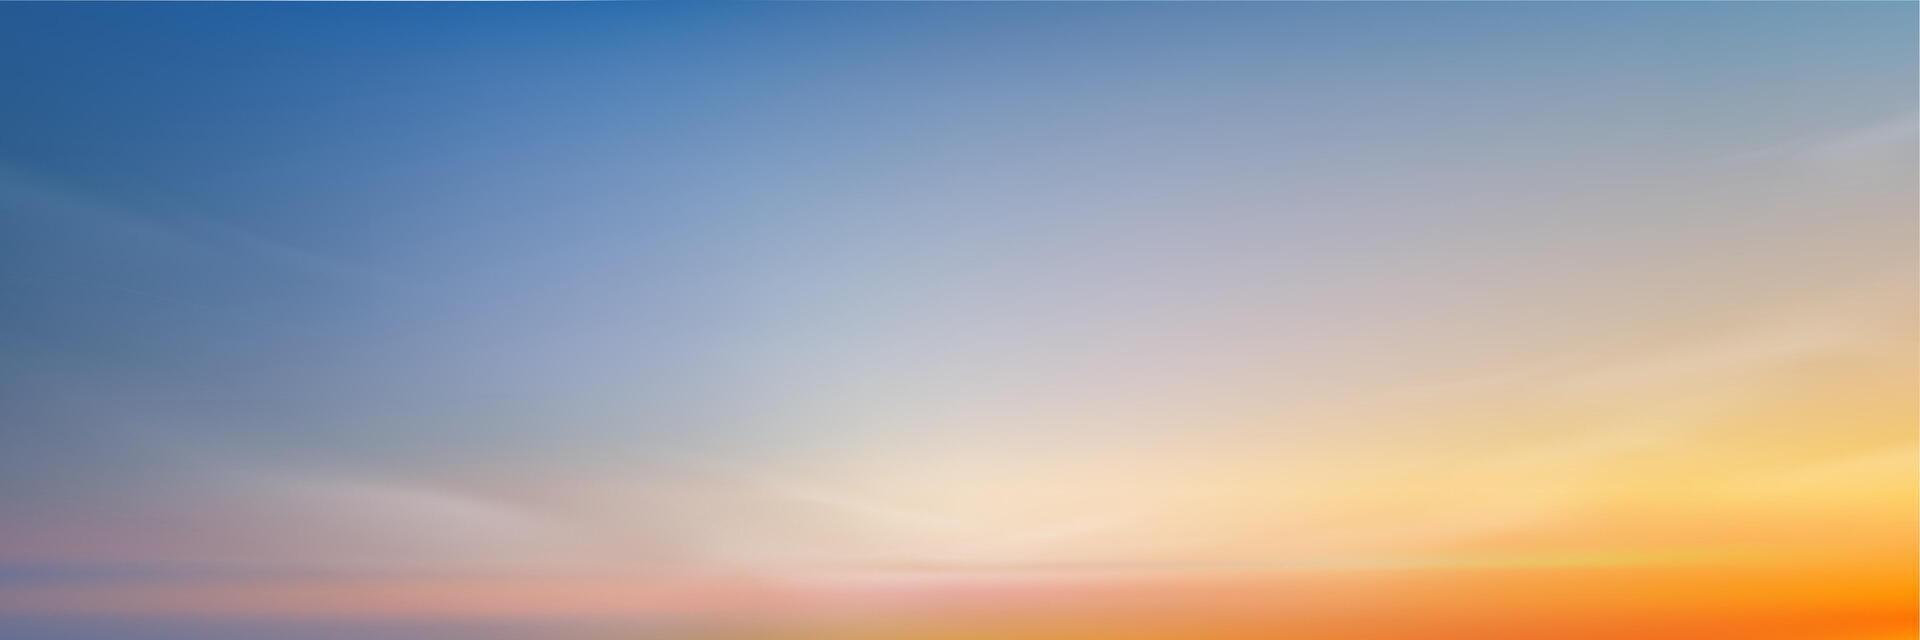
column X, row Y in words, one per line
column 398, row 265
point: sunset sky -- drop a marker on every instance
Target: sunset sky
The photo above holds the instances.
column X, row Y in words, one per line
column 1369, row 320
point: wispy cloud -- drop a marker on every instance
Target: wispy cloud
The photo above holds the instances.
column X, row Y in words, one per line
column 102, row 227
column 1860, row 147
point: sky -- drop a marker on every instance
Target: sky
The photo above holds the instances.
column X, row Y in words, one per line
column 953, row 320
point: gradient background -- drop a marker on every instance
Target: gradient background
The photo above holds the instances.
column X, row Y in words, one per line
column 958, row 321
